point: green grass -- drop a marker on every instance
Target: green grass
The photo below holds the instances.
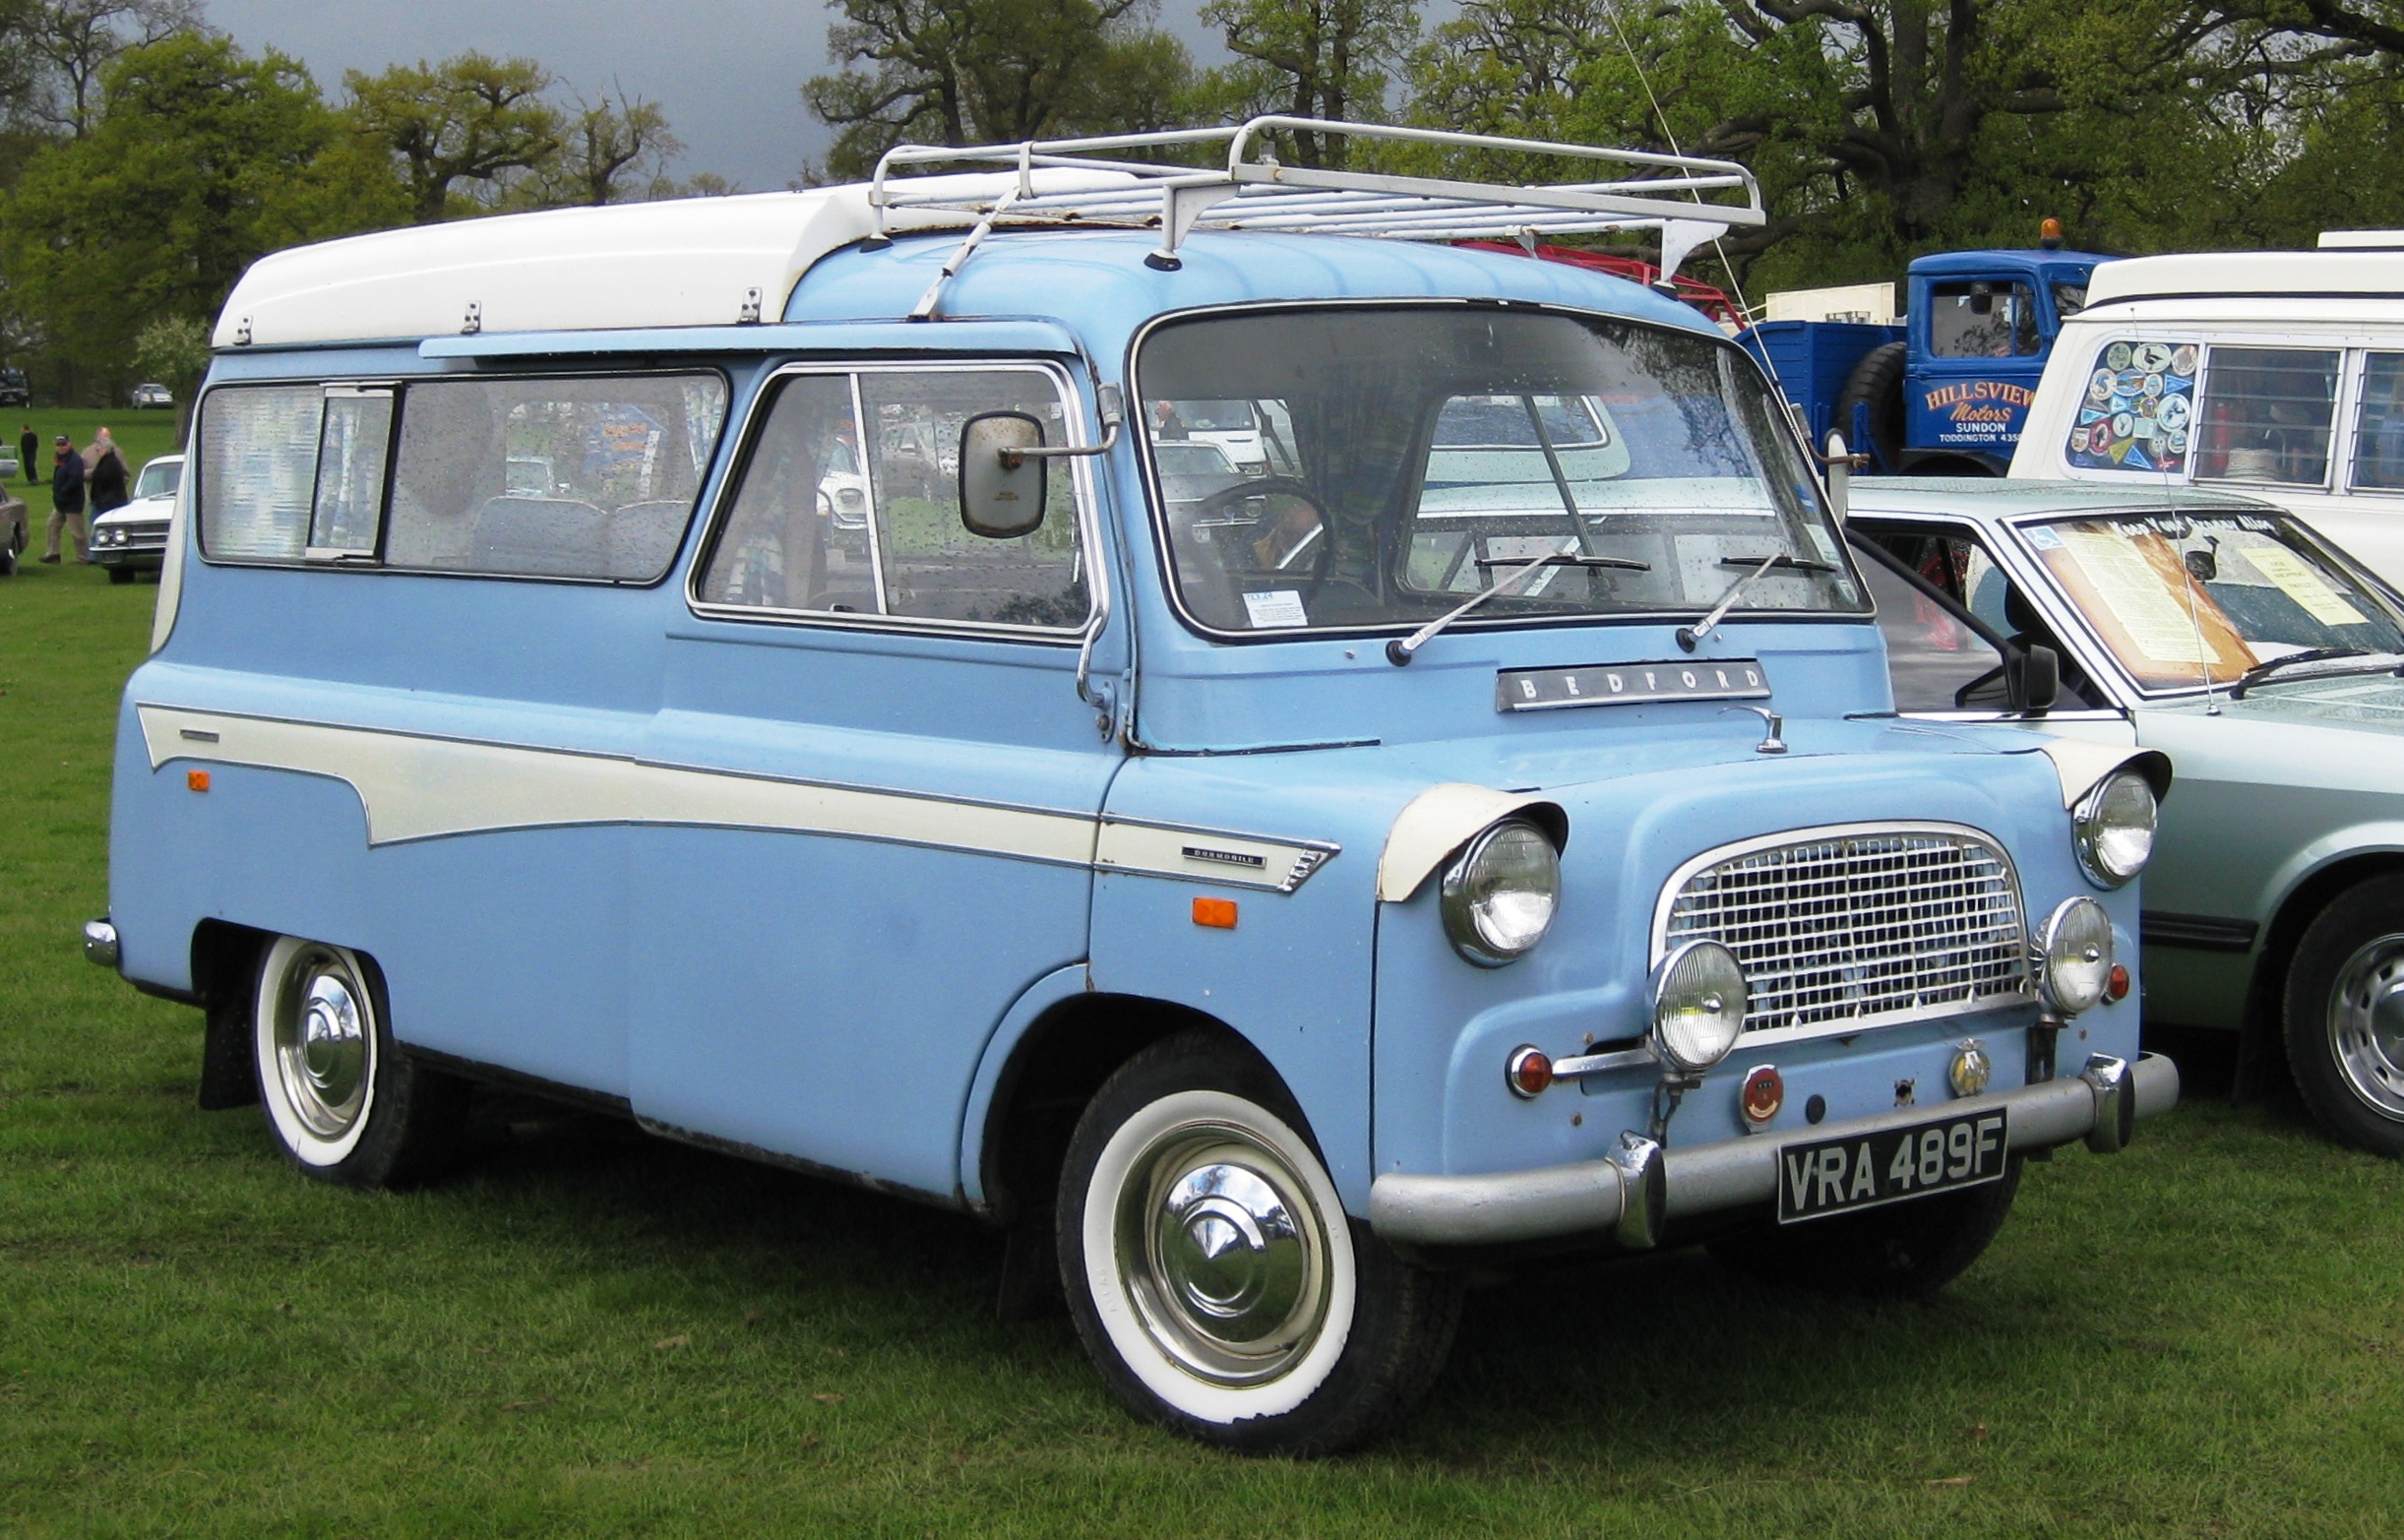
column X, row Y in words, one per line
column 591, row 1332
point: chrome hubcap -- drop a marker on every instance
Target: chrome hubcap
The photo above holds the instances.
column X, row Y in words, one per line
column 2367, row 1024
column 1224, row 1255
column 323, row 1043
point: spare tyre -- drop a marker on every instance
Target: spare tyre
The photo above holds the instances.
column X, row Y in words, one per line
column 1877, row 382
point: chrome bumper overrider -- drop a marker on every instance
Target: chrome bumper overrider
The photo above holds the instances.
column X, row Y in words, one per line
column 1640, row 1185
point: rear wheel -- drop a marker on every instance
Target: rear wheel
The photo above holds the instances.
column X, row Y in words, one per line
column 1877, row 382
column 1903, row 1251
column 344, row 1103
column 1214, row 1274
column 2345, row 1017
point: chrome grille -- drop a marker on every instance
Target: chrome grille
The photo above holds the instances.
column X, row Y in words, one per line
column 1857, row 926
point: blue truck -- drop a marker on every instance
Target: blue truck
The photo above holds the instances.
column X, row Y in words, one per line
column 1944, row 390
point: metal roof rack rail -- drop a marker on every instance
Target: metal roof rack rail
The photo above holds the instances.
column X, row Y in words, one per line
column 1083, row 181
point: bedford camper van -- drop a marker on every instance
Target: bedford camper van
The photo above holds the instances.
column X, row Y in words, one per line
column 766, row 667
column 2279, row 374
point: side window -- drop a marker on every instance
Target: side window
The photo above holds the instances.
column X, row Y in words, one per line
column 257, row 453
column 2378, row 427
column 2268, row 413
column 1930, row 654
column 849, row 503
column 2138, row 411
column 1982, row 319
column 581, row 478
column 355, row 445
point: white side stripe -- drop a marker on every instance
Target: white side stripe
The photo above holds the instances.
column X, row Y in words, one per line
column 416, row 788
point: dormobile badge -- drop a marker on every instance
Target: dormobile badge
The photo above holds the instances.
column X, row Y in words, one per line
column 1630, row 683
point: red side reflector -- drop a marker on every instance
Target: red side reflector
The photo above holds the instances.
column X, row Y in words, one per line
column 1218, row 913
column 2117, row 986
column 197, row 781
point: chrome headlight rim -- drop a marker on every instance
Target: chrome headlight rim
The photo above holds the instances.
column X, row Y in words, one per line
column 1677, row 970
column 2068, row 964
column 1459, row 896
column 2091, row 829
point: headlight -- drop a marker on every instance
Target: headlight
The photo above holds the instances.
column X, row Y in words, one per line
column 1699, row 1000
column 2076, row 945
column 1500, row 895
column 2113, row 827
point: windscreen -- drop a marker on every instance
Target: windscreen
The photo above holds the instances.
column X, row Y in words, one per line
column 2179, row 596
column 1411, row 458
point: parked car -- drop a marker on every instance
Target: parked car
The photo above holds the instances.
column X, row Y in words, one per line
column 14, row 392
column 133, row 540
column 2272, row 374
column 11, row 468
column 152, row 394
column 2264, row 663
column 1261, row 933
column 14, row 533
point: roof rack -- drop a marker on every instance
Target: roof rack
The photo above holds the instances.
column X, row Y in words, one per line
column 1083, row 181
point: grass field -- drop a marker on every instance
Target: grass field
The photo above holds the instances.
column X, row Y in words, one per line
column 591, row 1332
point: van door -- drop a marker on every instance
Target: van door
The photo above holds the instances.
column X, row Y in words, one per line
column 1977, row 356
column 909, row 780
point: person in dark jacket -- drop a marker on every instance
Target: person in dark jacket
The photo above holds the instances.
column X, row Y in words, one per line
column 105, row 476
column 29, row 454
column 67, row 501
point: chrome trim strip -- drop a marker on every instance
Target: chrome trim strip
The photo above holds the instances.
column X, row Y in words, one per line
column 1584, row 1197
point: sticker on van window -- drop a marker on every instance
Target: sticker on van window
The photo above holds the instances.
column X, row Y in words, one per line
column 2140, row 401
column 1276, row 607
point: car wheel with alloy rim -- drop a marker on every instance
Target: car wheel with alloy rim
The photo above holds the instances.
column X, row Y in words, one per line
column 2345, row 1017
column 344, row 1103
column 1213, row 1273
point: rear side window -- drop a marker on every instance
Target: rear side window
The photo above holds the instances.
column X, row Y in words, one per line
column 586, row 477
column 2378, row 429
column 2267, row 415
column 2138, row 410
column 848, row 503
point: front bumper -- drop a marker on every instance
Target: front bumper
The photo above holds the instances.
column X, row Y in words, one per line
column 1642, row 1186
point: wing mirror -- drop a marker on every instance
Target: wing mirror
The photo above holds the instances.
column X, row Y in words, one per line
column 2032, row 679
column 1841, row 478
column 1001, row 483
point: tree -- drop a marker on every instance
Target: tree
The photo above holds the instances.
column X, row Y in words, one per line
column 1310, row 58
column 961, row 72
column 613, row 150
column 471, row 119
column 75, row 40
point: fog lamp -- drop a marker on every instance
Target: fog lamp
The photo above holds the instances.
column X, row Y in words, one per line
column 2075, row 945
column 1699, row 1000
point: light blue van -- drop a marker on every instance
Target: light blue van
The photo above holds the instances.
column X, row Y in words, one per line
column 804, row 678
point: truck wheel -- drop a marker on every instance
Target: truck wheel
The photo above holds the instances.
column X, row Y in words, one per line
column 344, row 1103
column 1214, row 1274
column 1903, row 1251
column 1877, row 383
column 2345, row 1017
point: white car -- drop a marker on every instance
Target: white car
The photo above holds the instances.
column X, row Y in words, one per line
column 133, row 539
column 154, row 395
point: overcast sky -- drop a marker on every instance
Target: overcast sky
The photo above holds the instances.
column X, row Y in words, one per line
column 728, row 72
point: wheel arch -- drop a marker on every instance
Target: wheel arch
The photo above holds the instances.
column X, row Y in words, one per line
column 2305, row 900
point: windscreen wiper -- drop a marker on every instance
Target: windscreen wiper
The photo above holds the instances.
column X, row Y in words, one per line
column 1400, row 649
column 2262, row 671
column 1691, row 636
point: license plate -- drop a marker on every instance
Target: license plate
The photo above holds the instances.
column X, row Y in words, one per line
column 1841, row 1175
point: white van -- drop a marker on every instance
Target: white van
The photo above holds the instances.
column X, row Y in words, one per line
column 2276, row 373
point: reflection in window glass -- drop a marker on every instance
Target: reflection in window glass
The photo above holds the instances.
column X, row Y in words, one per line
column 933, row 567
column 2378, row 428
column 796, row 538
column 557, row 477
column 1982, row 319
column 358, row 433
column 258, row 448
column 2068, row 300
column 2266, row 415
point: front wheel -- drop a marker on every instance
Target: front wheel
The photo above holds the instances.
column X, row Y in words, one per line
column 344, row 1103
column 2345, row 1017
column 1214, row 1274
column 1903, row 1251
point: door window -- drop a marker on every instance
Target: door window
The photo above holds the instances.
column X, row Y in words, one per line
column 2379, row 425
column 1982, row 319
column 2268, row 414
column 848, row 503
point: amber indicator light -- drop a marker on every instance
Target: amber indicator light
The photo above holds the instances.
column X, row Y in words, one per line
column 197, row 781
column 2117, row 986
column 1529, row 1071
column 1218, row 913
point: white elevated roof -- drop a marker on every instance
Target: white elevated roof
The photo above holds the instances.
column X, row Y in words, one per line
column 2202, row 274
column 729, row 261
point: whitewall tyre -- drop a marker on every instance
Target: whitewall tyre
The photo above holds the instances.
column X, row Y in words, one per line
column 343, row 1102
column 1214, row 1274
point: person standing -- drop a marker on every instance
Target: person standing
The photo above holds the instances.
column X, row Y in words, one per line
column 67, row 501
column 29, row 454
column 105, row 476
